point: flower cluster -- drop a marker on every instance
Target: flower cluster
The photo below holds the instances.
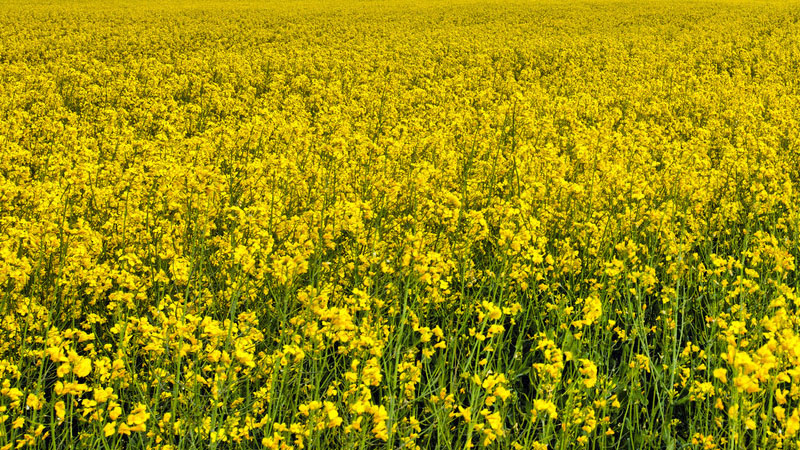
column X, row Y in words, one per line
column 415, row 224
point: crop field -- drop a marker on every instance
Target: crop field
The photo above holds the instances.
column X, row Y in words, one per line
column 369, row 224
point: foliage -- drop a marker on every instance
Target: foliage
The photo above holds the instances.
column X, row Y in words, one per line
column 306, row 224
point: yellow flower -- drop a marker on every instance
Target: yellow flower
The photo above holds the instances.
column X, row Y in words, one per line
column 83, row 368
column 60, row 409
column 545, row 406
column 102, row 395
column 589, row 370
column 114, row 412
column 138, row 417
column 465, row 413
column 502, row 392
column 34, row 402
column 379, row 429
column 14, row 394
column 592, row 310
column 123, row 429
column 793, row 423
column 495, row 421
column 371, row 375
column 333, row 415
column 63, row 369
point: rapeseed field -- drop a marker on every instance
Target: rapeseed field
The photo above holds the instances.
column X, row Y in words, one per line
column 363, row 224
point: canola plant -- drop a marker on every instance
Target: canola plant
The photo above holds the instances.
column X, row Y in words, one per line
column 399, row 225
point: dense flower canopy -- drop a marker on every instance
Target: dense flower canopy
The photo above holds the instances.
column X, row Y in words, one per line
column 412, row 224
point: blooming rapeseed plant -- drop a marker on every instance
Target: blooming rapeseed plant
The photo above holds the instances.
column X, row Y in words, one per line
column 415, row 224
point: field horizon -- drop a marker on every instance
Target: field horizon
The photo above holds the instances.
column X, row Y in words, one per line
column 399, row 225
